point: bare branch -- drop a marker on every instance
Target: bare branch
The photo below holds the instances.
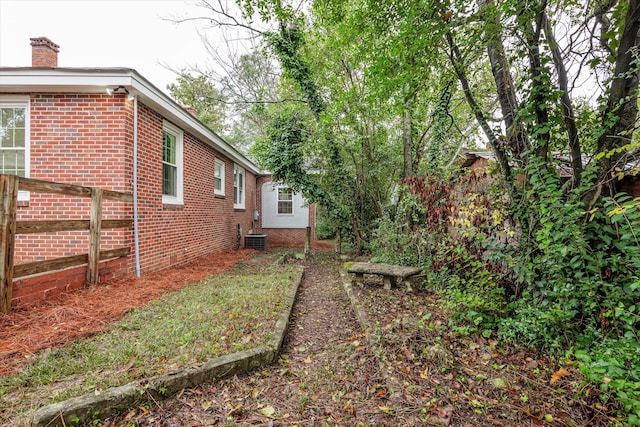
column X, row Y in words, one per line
column 254, row 102
column 220, row 17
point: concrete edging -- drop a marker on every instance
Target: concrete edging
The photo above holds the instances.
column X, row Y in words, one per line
column 394, row 385
column 84, row 408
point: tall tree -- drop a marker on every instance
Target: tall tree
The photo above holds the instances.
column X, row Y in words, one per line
column 372, row 74
column 620, row 117
column 200, row 93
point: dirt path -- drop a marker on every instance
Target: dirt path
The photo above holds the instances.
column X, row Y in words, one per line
column 326, row 374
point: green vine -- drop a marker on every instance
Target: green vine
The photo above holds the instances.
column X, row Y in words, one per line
column 441, row 124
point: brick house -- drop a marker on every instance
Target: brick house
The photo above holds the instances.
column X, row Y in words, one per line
column 111, row 128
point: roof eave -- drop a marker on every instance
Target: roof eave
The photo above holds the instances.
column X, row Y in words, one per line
column 97, row 80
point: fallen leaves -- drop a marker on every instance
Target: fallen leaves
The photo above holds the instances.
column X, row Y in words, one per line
column 562, row 372
column 444, row 380
column 499, row 383
column 424, row 374
column 387, row 410
column 446, row 415
column 268, row 411
column 488, row 382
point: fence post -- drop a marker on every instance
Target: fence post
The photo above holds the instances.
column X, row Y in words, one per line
column 95, row 224
column 9, row 204
column 307, row 241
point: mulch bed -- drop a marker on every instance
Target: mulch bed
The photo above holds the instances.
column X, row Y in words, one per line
column 65, row 317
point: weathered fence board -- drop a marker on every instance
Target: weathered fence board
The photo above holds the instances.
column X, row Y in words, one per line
column 36, row 267
column 95, row 224
column 9, row 186
column 31, row 227
column 39, row 186
column 9, row 195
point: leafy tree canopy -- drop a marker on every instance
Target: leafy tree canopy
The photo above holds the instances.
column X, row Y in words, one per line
column 200, row 93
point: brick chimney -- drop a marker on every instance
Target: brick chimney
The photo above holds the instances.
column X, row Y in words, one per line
column 44, row 52
column 191, row 110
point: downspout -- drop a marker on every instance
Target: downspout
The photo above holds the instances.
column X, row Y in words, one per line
column 255, row 221
column 136, row 240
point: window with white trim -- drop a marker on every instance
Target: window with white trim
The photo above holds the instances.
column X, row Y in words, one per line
column 238, row 187
column 285, row 201
column 218, row 177
column 14, row 138
column 172, row 145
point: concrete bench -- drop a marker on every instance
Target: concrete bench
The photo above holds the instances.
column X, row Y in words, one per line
column 390, row 273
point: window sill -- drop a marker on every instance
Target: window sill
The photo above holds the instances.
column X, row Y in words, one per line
column 239, row 209
column 170, row 207
column 219, row 196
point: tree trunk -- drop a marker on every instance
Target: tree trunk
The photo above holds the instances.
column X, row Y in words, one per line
column 540, row 82
column 493, row 140
column 407, row 138
column 567, row 106
column 516, row 137
column 620, row 116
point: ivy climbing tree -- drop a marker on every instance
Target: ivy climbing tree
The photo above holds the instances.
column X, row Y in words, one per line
column 388, row 89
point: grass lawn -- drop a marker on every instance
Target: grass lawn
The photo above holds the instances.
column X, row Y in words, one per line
column 225, row 313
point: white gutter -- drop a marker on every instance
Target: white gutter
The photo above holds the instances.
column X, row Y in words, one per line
column 136, row 239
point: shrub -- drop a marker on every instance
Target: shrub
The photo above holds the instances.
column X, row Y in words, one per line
column 325, row 229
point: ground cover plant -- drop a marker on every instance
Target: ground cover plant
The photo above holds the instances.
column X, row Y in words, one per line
column 547, row 276
column 222, row 314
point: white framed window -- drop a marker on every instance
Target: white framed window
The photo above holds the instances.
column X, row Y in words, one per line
column 172, row 168
column 285, row 201
column 218, row 177
column 14, row 138
column 238, row 187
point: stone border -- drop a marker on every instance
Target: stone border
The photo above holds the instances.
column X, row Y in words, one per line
column 393, row 384
column 84, row 408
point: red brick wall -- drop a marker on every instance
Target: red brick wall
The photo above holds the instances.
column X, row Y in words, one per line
column 171, row 235
column 87, row 140
column 285, row 237
column 82, row 140
column 28, row 290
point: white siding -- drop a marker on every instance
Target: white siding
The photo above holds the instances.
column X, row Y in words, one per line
column 270, row 217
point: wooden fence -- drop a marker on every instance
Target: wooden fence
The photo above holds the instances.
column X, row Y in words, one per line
column 10, row 227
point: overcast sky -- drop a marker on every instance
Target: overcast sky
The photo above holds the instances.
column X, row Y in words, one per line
column 105, row 33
